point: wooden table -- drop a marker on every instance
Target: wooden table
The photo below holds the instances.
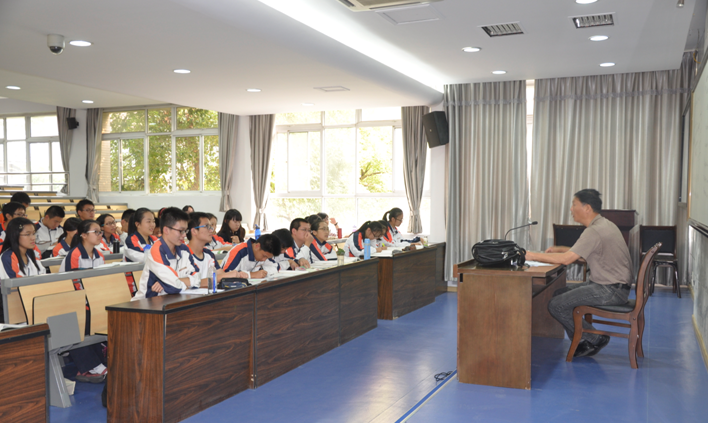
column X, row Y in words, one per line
column 407, row 282
column 173, row 356
column 498, row 311
column 24, row 375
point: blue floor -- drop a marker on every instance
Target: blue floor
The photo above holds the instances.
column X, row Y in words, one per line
column 379, row 376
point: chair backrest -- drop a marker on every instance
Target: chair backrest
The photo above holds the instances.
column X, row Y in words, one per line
column 15, row 311
column 102, row 291
column 650, row 235
column 29, row 292
column 45, row 306
column 566, row 235
column 643, row 277
column 54, row 269
column 33, row 215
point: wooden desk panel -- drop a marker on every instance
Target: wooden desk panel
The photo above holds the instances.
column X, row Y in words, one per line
column 24, row 374
column 295, row 323
column 406, row 282
column 358, row 301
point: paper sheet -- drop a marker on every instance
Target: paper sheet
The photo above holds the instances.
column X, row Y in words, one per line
column 532, row 263
column 199, row 291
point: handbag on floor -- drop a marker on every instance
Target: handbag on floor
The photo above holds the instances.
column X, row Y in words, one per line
column 498, row 252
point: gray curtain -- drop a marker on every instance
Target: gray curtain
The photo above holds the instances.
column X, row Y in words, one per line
column 65, row 139
column 94, row 118
column 619, row 134
column 487, row 190
column 415, row 150
column 228, row 128
column 261, row 136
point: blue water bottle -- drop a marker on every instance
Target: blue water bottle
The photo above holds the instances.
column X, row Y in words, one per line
column 212, row 270
column 258, row 232
column 367, row 249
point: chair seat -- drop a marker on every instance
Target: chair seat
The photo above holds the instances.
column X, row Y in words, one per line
column 624, row 308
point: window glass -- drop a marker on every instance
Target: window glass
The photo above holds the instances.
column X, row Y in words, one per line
column 40, row 179
column 17, row 179
column 192, row 118
column 298, row 118
column 340, row 117
column 398, row 183
column 108, row 178
column 384, row 113
column 344, row 210
column 159, row 120
column 375, row 156
column 3, row 179
column 133, row 164
column 127, row 121
column 57, row 165
column 187, row 163
column 281, row 211
column 16, row 128
column 17, row 156
column 39, row 152
column 44, row 126
column 160, row 164
column 304, row 161
column 2, row 129
column 212, row 178
column 279, row 163
column 339, row 148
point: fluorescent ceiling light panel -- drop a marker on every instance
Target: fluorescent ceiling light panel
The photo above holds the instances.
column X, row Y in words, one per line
column 80, row 43
column 351, row 35
column 585, row 1
column 12, row 87
column 254, row 90
column 599, row 38
column 87, row 101
column 607, row 64
column 182, row 71
column 499, row 72
column 471, row 49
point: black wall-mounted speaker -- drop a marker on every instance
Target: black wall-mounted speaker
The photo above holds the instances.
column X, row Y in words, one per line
column 436, row 130
column 72, row 122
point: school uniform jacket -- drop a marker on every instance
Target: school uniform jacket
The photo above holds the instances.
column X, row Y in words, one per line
column 241, row 258
column 393, row 238
column 46, row 238
column 61, row 249
column 354, row 247
column 205, row 263
column 134, row 250
column 282, row 261
column 165, row 268
column 11, row 267
column 78, row 258
column 296, row 253
column 217, row 242
column 107, row 246
column 322, row 251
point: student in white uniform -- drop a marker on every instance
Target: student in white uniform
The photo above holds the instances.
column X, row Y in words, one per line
column 200, row 232
column 140, row 235
column 84, row 253
column 286, row 242
column 71, row 225
column 217, row 243
column 109, row 228
column 320, row 249
column 17, row 257
column 254, row 257
column 302, row 238
column 125, row 224
column 354, row 247
column 392, row 219
column 49, row 229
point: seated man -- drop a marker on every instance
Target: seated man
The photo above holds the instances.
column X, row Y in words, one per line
column 302, row 238
column 254, row 257
column 199, row 235
column 606, row 253
column 286, row 242
column 169, row 266
column 49, row 229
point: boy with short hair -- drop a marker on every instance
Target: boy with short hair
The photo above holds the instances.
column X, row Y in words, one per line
column 254, row 257
column 49, row 229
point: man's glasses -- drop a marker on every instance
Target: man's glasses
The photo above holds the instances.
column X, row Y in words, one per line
column 88, row 210
column 181, row 231
column 208, row 227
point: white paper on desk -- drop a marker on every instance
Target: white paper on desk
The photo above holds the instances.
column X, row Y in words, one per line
column 199, row 291
column 384, row 253
column 286, row 274
column 532, row 263
column 324, row 264
column 114, row 264
column 255, row 281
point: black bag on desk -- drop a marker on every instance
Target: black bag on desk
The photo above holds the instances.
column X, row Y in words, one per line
column 498, row 252
column 233, row 283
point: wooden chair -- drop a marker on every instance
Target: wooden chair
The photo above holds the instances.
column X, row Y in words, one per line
column 102, row 291
column 29, row 292
column 666, row 235
column 567, row 236
column 15, row 310
column 33, row 215
column 632, row 312
column 45, row 306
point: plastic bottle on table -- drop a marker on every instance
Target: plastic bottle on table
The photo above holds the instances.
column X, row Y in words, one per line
column 212, row 272
column 367, row 249
column 258, row 231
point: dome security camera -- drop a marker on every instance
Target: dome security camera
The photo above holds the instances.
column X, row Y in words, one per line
column 55, row 43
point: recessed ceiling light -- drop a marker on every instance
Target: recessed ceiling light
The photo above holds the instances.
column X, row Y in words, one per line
column 80, row 43
column 499, row 72
column 607, row 64
column 12, row 87
column 471, row 49
column 585, row 1
column 254, row 90
column 87, row 101
column 308, row 104
column 182, row 71
column 599, row 38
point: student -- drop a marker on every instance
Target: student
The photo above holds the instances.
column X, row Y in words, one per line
column 302, row 238
column 200, row 233
column 71, row 226
column 354, row 246
column 231, row 229
column 286, row 242
column 169, row 266
column 140, row 235
column 157, row 232
column 10, row 211
column 86, row 210
column 125, row 224
column 108, row 226
column 17, row 258
column 324, row 216
column 254, row 257
column 217, row 242
column 188, row 209
column 49, row 229
column 18, row 197
column 84, row 253
column 321, row 250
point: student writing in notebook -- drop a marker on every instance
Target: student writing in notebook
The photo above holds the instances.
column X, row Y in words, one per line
column 254, row 257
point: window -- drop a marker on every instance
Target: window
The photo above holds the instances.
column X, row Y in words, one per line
column 348, row 163
column 29, row 153
column 160, row 150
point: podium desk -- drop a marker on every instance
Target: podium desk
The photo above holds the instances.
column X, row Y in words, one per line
column 498, row 311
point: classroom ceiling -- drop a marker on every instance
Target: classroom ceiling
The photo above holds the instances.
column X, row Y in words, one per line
column 290, row 48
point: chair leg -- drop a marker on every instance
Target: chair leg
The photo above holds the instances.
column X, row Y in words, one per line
column 653, row 277
column 640, row 321
column 577, row 335
column 676, row 279
column 632, row 345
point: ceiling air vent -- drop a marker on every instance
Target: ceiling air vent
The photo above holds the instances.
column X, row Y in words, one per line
column 498, row 30
column 593, row 21
column 332, row 89
column 367, row 5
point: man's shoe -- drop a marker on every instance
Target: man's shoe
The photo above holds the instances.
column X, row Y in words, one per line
column 602, row 343
column 585, row 348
